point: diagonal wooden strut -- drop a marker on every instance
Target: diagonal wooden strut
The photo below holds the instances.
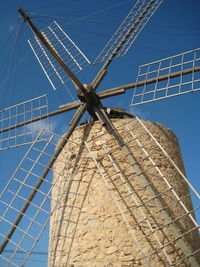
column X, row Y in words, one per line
column 145, row 181
column 50, row 49
column 42, row 177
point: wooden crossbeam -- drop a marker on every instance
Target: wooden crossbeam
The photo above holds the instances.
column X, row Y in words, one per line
column 101, row 95
column 122, row 89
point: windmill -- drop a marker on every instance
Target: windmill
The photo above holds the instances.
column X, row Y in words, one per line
column 43, row 163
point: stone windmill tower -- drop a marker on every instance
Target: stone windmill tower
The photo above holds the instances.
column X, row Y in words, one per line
column 118, row 191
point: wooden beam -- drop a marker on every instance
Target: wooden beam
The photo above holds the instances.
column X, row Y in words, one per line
column 111, row 92
column 122, row 89
column 103, row 94
column 51, row 50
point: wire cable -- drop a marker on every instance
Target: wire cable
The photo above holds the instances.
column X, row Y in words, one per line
column 10, row 70
column 80, row 18
column 52, row 5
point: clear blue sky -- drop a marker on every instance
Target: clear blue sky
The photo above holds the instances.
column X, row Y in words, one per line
column 173, row 29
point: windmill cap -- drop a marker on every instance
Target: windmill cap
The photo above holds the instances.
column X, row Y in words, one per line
column 118, row 113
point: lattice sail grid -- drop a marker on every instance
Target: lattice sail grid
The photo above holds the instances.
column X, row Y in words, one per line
column 27, row 199
column 172, row 76
column 151, row 194
column 65, row 48
column 124, row 208
column 128, row 31
column 14, row 130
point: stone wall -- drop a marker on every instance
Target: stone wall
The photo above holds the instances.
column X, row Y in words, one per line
column 94, row 181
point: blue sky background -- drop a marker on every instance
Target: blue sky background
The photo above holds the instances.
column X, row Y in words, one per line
column 173, row 29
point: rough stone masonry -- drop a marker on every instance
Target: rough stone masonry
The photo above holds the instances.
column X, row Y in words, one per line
column 103, row 213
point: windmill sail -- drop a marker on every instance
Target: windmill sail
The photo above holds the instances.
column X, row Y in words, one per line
column 129, row 30
column 14, row 129
column 26, row 201
column 147, row 196
column 168, row 77
column 65, row 49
